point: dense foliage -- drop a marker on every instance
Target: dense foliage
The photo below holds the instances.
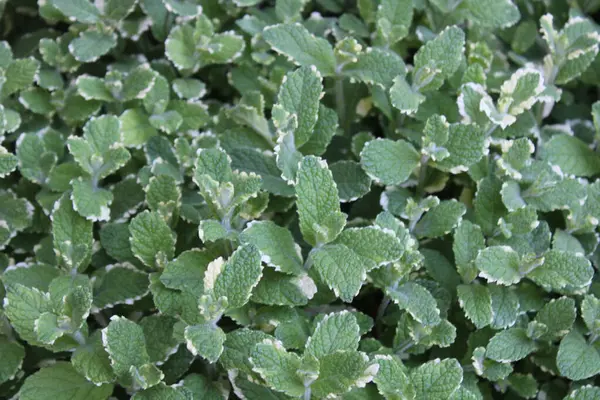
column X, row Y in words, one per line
column 276, row 199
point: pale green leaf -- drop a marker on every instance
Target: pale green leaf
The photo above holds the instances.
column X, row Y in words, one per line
column 576, row 359
column 152, row 241
column 61, row 382
column 318, row 202
column 417, row 301
column 437, row 379
column 205, row 340
column 276, row 246
column 335, row 332
column 476, row 302
column 389, row 162
column 296, row 42
column 510, row 345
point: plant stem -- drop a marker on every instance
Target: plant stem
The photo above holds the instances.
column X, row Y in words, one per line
column 307, row 393
column 340, row 106
column 422, row 176
column 491, row 130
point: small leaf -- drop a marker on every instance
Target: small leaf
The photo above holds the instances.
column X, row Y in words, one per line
column 405, row 97
column 277, row 367
column 493, row 14
column 389, row 162
column 417, row 301
column 239, row 276
column 572, row 155
column 303, row 47
column 276, row 246
column 318, row 202
column 510, row 345
column 499, row 264
column 61, row 382
column 335, row 332
column 476, row 302
column 89, row 46
column 72, row 236
column 437, row 379
column 440, row 220
column 563, row 270
column 299, row 95
column 576, row 359
column 152, row 241
column 205, row 340
column 78, row 10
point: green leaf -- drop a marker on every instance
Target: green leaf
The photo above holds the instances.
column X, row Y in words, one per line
column 186, row 272
column 15, row 212
column 590, row 312
column 476, row 302
column 189, row 88
column 99, row 152
column 277, row 367
column 276, row 246
column 584, row 393
column 468, row 241
column 12, row 354
column 466, row 145
column 163, row 392
column 239, row 276
column 238, row 347
column 572, row 155
column 61, row 382
column 276, row 288
column 576, row 359
column 78, row 10
column 89, row 201
column 558, row 315
column 293, row 40
column 205, row 340
column 152, row 241
column 23, row 306
column 417, row 301
column 376, row 66
column 124, row 341
column 510, row 345
column 493, row 14
column 299, row 95
column 389, row 162
column 392, row 378
column 443, row 53
column 341, row 371
column 119, row 284
column 394, row 19
column 8, row 162
column 440, row 220
column 351, row 180
column 136, row 128
column 89, row 46
column 91, row 361
column 72, row 236
column 562, row 270
column 341, row 269
column 405, row 97
column 437, row 379
column 499, row 264
column 505, row 306
column 318, row 202
column 335, row 332
column 20, row 74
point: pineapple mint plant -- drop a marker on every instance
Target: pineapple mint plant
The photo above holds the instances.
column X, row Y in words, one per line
column 299, row 199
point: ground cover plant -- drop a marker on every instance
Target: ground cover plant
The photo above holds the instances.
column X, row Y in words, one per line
column 279, row 199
